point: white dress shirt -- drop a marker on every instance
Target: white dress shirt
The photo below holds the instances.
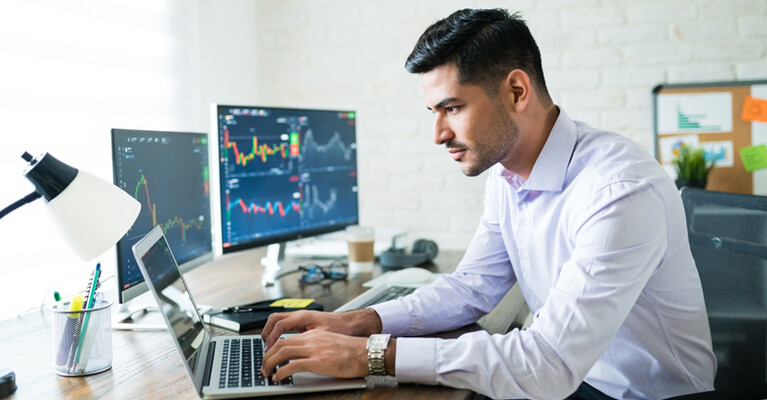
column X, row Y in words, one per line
column 597, row 240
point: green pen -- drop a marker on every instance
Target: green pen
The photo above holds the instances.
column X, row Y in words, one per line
column 84, row 330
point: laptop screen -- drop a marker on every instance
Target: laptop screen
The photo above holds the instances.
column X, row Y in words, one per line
column 175, row 302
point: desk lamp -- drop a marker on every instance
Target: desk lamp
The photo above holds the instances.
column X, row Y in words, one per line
column 90, row 214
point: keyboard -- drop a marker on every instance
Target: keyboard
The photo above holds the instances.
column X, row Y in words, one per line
column 241, row 364
column 391, row 293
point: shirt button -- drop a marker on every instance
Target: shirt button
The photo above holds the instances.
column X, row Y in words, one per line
column 524, row 204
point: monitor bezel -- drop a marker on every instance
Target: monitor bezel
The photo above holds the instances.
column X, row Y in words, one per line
column 125, row 295
column 275, row 239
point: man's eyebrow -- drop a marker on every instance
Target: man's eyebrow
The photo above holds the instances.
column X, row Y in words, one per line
column 443, row 103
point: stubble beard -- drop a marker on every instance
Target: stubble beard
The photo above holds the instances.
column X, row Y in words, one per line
column 486, row 154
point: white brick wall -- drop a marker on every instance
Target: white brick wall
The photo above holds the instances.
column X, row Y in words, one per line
column 601, row 59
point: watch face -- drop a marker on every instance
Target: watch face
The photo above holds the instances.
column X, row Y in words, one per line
column 379, row 341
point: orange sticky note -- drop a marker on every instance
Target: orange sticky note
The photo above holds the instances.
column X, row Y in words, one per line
column 754, row 110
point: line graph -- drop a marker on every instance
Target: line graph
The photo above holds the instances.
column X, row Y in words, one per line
column 251, row 207
column 197, row 222
column 333, row 152
column 267, row 208
column 329, row 196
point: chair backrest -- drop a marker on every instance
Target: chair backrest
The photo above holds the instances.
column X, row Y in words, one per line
column 728, row 239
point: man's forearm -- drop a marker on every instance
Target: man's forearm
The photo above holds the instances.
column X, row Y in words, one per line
column 364, row 322
column 367, row 322
column 390, row 357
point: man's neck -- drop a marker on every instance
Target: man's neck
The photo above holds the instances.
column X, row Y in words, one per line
column 533, row 136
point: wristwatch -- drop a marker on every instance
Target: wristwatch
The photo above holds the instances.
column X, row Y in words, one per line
column 377, row 345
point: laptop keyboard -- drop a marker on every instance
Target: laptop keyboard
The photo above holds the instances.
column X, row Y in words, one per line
column 391, row 293
column 241, row 364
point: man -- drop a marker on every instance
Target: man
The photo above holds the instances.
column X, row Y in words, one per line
column 586, row 222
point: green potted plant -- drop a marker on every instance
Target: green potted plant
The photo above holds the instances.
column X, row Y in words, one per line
column 692, row 168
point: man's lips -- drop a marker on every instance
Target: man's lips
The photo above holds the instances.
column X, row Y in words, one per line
column 456, row 153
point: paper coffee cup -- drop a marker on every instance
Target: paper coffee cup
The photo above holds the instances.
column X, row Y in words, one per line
column 361, row 250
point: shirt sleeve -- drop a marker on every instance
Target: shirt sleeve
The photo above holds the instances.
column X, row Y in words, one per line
column 479, row 282
column 616, row 250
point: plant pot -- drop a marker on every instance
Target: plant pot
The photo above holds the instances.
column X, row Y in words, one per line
column 680, row 183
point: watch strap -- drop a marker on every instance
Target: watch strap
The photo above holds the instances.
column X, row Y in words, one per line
column 376, row 347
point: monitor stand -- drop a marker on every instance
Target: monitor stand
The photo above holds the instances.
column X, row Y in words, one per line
column 124, row 319
column 275, row 255
column 128, row 315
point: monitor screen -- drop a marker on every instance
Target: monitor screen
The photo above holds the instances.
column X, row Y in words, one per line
column 284, row 173
column 167, row 172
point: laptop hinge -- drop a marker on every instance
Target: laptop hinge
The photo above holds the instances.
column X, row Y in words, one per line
column 209, row 365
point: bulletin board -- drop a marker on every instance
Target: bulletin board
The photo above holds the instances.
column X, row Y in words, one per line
column 727, row 119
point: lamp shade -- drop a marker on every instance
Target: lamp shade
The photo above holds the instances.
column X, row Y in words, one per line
column 92, row 214
column 89, row 213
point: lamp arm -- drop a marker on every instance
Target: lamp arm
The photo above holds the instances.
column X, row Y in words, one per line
column 18, row 203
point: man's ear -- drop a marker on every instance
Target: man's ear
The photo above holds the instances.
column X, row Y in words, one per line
column 517, row 90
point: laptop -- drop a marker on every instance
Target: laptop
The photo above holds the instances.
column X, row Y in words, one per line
column 220, row 367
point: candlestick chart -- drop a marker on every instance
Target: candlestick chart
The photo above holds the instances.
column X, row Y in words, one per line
column 168, row 174
column 285, row 172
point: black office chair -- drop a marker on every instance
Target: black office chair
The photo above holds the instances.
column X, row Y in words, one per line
column 728, row 238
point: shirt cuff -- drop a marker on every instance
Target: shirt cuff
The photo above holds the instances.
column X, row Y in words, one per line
column 416, row 360
column 394, row 317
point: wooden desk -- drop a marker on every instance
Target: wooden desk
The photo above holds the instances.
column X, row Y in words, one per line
column 146, row 365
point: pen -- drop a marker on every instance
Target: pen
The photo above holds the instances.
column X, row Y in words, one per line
column 88, row 344
column 68, row 337
column 239, row 309
column 91, row 289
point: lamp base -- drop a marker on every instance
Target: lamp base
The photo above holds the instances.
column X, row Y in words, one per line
column 7, row 382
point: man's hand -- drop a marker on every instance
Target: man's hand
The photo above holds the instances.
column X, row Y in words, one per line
column 320, row 352
column 352, row 323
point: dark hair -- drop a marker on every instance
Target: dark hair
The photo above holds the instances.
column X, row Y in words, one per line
column 485, row 46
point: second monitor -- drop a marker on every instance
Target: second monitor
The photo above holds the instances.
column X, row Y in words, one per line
column 284, row 173
column 168, row 173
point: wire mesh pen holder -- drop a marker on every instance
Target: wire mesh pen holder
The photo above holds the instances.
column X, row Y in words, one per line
column 82, row 340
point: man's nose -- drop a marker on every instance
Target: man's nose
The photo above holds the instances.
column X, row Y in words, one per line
column 442, row 131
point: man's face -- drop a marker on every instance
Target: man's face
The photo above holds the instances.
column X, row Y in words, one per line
column 475, row 128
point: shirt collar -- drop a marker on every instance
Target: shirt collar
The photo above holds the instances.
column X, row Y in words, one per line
column 550, row 169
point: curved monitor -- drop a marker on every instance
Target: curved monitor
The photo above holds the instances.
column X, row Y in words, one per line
column 285, row 173
column 168, row 173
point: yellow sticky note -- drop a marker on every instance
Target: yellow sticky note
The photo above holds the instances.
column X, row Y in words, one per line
column 292, row 303
column 754, row 157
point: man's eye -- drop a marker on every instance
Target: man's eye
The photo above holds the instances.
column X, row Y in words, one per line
column 451, row 109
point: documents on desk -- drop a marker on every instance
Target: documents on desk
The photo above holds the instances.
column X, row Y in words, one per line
column 333, row 245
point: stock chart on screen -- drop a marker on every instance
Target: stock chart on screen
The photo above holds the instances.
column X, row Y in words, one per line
column 285, row 173
column 168, row 173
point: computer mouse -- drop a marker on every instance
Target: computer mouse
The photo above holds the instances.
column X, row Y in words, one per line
column 410, row 275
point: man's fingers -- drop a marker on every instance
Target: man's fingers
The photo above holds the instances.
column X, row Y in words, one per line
column 283, row 351
column 271, row 323
column 282, row 323
column 293, row 367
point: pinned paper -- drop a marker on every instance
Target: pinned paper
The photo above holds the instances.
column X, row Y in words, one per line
column 720, row 151
column 754, row 110
column 694, row 113
column 292, row 303
column 754, row 157
column 669, row 146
